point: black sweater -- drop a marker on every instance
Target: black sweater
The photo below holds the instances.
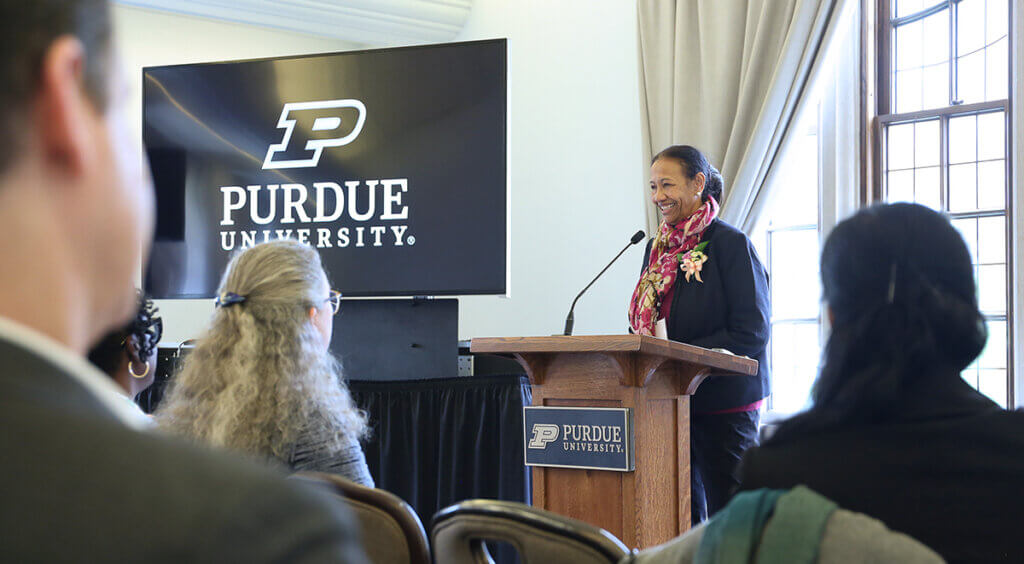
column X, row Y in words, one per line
column 947, row 471
column 729, row 310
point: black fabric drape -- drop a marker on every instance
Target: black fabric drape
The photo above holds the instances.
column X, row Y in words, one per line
column 440, row 441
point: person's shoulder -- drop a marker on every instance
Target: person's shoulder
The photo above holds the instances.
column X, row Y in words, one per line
column 756, row 466
column 849, row 535
column 1010, row 415
column 776, row 463
column 256, row 513
column 1003, row 421
column 976, row 413
column 731, row 242
column 79, row 474
column 723, row 231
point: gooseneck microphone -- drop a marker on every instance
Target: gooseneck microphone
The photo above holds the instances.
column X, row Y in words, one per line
column 569, row 320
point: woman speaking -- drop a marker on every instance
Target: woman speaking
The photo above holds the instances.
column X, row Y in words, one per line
column 703, row 284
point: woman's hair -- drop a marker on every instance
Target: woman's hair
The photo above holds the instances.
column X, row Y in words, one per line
column 693, row 161
column 260, row 379
column 146, row 327
column 899, row 282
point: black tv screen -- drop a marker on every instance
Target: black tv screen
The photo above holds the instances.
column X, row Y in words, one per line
column 391, row 162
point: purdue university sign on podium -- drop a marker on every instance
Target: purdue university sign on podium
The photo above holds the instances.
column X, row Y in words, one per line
column 649, row 382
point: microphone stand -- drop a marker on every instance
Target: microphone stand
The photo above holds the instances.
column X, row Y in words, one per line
column 569, row 319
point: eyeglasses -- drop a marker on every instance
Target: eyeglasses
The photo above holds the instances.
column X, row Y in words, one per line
column 335, row 301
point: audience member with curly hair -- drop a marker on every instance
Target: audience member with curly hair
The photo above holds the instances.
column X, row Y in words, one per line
column 262, row 380
column 128, row 354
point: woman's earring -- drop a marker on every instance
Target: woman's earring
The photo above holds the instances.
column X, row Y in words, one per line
column 139, row 376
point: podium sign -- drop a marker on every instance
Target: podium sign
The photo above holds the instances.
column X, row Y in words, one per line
column 579, row 437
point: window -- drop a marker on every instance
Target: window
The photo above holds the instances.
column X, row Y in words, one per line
column 788, row 244
column 943, row 99
column 814, row 184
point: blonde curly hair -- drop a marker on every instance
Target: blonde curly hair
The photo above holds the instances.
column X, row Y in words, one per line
column 259, row 378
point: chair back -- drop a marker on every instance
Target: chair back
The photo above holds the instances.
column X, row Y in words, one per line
column 458, row 533
column 392, row 533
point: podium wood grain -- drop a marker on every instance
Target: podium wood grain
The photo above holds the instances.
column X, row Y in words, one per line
column 652, row 376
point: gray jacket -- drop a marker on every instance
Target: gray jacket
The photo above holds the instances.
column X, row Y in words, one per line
column 80, row 486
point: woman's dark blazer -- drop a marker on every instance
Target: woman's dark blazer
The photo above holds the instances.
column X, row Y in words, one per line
column 729, row 310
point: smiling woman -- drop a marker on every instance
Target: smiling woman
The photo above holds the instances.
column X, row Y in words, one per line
column 679, row 190
column 703, row 284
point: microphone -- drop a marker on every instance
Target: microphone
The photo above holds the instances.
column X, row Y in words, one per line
column 569, row 320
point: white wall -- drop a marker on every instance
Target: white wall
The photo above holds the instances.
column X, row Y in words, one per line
column 575, row 163
column 575, row 150
column 151, row 38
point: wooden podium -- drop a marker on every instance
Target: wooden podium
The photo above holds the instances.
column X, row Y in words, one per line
column 652, row 376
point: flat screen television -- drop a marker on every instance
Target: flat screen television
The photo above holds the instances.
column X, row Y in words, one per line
column 391, row 162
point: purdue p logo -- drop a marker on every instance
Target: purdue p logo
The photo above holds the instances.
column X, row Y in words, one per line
column 325, row 124
column 542, row 435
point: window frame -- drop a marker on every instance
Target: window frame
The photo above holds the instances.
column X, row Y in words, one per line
column 877, row 32
column 840, row 177
column 1016, row 151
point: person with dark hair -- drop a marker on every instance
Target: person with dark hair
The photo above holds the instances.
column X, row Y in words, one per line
column 128, row 354
column 80, row 469
column 702, row 283
column 893, row 430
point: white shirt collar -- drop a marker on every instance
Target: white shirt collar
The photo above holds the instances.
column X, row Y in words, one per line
column 88, row 376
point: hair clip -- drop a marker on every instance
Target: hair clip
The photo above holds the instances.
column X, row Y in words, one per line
column 228, row 299
column 892, row 285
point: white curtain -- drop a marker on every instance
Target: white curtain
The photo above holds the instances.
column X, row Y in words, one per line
column 728, row 77
column 839, row 137
column 840, row 132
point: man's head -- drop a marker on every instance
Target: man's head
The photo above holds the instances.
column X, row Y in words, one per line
column 30, row 30
column 75, row 200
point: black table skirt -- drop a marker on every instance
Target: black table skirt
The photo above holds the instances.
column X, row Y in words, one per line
column 436, row 442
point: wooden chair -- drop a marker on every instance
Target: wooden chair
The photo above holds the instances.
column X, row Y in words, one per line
column 392, row 533
column 458, row 533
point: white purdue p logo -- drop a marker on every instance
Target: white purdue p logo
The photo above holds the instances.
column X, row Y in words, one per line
column 542, row 435
column 329, row 123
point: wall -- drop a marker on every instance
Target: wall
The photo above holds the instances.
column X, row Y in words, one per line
column 575, row 163
column 575, row 157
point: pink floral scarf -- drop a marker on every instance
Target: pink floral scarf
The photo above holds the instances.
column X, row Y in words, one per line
column 672, row 250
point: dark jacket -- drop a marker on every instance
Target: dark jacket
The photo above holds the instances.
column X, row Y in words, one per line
column 311, row 455
column 79, row 486
column 947, row 471
column 729, row 310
